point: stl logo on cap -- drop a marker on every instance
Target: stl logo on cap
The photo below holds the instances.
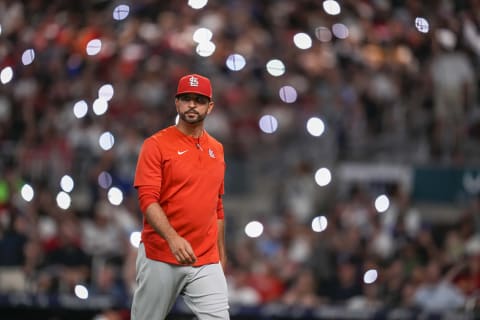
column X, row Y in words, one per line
column 193, row 81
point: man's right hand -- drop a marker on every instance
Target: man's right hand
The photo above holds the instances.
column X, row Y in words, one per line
column 182, row 250
column 179, row 246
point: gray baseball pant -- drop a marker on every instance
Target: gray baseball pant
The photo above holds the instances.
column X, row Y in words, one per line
column 204, row 289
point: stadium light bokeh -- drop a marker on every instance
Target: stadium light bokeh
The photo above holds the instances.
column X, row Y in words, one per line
column 94, row 46
column 370, row 276
column 100, row 106
column 121, row 12
column 331, row 7
column 288, row 94
column 382, row 203
column 28, row 56
column 6, row 75
column 80, row 109
column 105, row 180
column 66, row 183
column 302, row 41
column 106, row 140
column 235, row 62
column 254, row 229
column 63, row 200
column 323, row 177
column 115, row 196
column 197, row 4
column 268, row 124
column 319, row 224
column 275, row 67
column 27, row 192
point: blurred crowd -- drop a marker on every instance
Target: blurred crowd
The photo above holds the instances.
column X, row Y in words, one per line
column 391, row 91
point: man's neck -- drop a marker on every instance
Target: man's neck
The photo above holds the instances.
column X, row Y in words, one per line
column 193, row 130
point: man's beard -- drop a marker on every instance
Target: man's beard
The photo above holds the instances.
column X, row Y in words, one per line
column 192, row 120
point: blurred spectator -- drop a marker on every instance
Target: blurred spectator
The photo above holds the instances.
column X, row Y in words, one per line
column 437, row 294
column 13, row 240
column 470, row 27
column 401, row 219
column 299, row 192
column 302, row 292
column 33, row 265
column 67, row 262
column 393, row 282
column 101, row 235
column 467, row 274
column 265, row 281
column 12, row 243
column 370, row 300
column 107, row 282
column 347, row 284
column 453, row 95
column 240, row 291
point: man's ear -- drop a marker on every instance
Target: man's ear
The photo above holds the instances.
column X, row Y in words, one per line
column 176, row 103
column 210, row 107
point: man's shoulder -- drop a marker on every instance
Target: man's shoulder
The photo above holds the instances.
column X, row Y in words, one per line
column 162, row 135
column 213, row 141
column 159, row 140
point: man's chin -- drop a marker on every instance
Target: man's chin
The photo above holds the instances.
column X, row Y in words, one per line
column 192, row 118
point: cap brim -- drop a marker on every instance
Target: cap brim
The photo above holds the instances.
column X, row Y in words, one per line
column 194, row 92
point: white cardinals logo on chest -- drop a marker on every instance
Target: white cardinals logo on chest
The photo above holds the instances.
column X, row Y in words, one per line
column 211, row 153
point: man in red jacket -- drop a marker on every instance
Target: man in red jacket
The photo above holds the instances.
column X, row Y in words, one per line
column 180, row 183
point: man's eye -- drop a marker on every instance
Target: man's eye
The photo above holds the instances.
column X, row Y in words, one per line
column 201, row 100
column 198, row 99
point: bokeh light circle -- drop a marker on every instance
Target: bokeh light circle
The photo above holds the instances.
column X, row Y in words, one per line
column 106, row 92
column 302, row 41
column 315, row 126
column 370, row 276
column 80, row 109
column 331, row 7
column 254, row 229
column 197, row 4
column 66, row 183
column 27, row 192
column 105, row 180
column 323, row 177
column 115, row 196
column 63, row 200
column 94, row 46
column 6, row 75
column 202, row 35
column 275, row 67
column 28, row 56
column 235, row 62
column 121, row 12
column 422, row 25
column 205, row 49
column 340, row 30
column 135, row 238
column 268, row 124
column 81, row 291
column 319, row 224
column 382, row 203
column 288, row 94
column 106, row 141
column 323, row 34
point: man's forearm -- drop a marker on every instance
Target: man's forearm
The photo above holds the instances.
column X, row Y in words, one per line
column 158, row 220
column 221, row 242
column 180, row 247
